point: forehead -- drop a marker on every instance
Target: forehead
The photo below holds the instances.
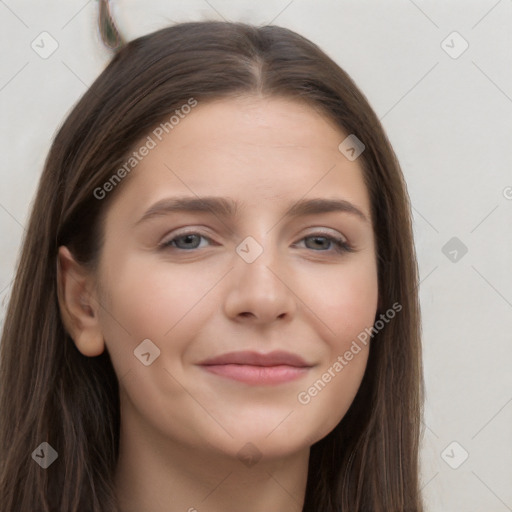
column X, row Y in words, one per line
column 258, row 120
column 251, row 148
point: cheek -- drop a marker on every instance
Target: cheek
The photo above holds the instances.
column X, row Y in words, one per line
column 152, row 302
column 346, row 303
column 344, row 300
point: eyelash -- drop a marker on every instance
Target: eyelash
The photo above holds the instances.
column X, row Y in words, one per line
column 341, row 246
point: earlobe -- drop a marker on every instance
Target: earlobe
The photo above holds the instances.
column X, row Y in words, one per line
column 78, row 305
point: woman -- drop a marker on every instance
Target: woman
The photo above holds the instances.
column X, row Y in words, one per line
column 276, row 364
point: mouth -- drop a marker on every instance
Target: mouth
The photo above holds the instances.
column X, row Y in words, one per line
column 258, row 369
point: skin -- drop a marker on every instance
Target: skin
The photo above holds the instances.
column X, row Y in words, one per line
column 182, row 427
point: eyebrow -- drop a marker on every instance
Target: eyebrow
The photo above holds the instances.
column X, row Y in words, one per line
column 225, row 207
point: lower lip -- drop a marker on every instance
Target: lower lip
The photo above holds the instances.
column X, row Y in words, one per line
column 257, row 374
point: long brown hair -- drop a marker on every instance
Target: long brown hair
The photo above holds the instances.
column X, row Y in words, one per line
column 50, row 392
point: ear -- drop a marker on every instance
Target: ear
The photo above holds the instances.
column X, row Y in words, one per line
column 78, row 305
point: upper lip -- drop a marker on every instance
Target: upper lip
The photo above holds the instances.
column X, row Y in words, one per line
column 275, row 358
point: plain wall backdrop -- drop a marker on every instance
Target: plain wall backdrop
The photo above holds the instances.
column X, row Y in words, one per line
column 439, row 76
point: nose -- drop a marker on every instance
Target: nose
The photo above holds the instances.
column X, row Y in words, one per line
column 259, row 292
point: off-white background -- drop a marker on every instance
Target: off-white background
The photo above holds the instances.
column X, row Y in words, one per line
column 450, row 122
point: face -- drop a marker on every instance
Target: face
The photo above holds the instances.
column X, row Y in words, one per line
column 249, row 309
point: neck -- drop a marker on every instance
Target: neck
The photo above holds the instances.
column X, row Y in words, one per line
column 158, row 475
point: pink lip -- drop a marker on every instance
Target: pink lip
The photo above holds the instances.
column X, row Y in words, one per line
column 255, row 368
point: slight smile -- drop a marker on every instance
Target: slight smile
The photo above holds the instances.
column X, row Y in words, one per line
column 258, row 369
